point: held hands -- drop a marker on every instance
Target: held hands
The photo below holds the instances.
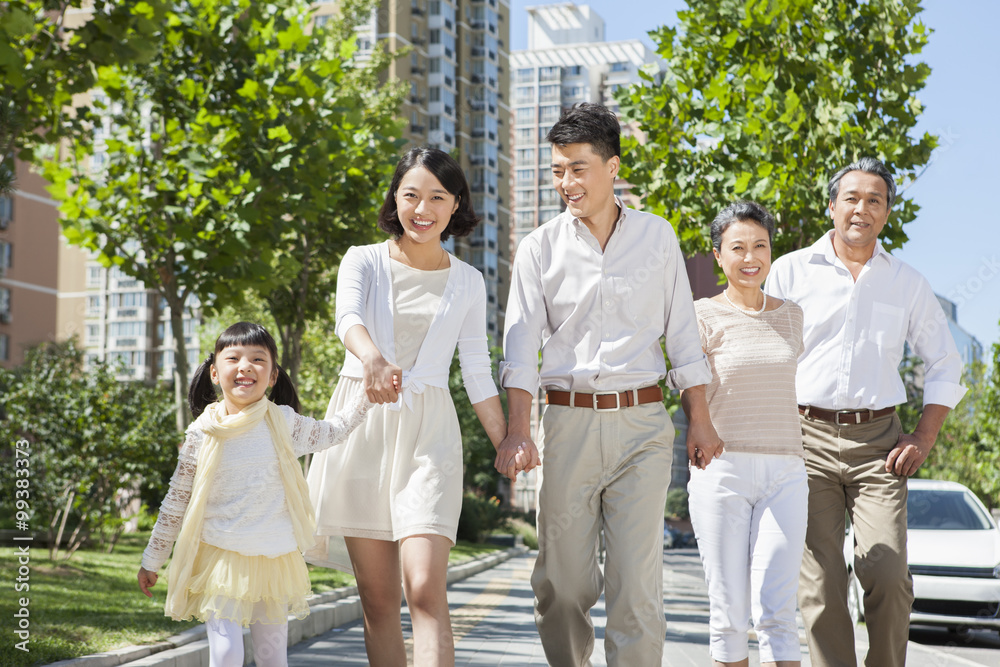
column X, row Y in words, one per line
column 382, row 380
column 147, row 580
column 703, row 443
column 908, row 455
column 514, row 454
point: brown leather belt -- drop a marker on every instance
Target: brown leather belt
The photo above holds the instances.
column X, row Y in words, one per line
column 605, row 401
column 844, row 417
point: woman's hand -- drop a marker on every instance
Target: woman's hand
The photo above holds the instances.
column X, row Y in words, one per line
column 382, row 380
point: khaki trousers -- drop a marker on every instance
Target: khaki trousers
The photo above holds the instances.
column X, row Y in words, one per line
column 610, row 470
column 846, row 468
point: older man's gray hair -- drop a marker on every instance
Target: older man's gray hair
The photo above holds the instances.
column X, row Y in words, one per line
column 868, row 165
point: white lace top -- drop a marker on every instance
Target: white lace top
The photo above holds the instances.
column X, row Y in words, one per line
column 245, row 510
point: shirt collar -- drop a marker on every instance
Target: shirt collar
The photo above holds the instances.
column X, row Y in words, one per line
column 824, row 248
column 622, row 214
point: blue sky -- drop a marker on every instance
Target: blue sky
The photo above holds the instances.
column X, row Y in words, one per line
column 952, row 241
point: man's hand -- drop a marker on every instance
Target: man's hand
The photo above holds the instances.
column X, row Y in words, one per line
column 912, row 450
column 908, row 455
column 515, row 453
column 147, row 580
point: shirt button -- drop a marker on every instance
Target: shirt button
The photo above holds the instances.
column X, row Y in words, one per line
column 607, row 335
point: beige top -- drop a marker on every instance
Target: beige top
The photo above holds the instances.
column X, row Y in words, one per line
column 751, row 397
column 416, row 295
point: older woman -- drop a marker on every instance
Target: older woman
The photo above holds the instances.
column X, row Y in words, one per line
column 749, row 507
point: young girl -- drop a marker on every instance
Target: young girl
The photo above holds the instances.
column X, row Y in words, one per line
column 394, row 491
column 240, row 502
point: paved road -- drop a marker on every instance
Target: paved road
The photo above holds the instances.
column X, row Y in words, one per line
column 493, row 625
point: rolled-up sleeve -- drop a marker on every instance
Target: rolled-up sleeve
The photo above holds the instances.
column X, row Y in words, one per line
column 352, row 288
column 689, row 365
column 931, row 340
column 524, row 322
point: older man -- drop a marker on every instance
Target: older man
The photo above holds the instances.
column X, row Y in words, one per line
column 595, row 290
column 861, row 305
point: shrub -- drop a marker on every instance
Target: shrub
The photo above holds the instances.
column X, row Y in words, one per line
column 480, row 516
column 677, row 505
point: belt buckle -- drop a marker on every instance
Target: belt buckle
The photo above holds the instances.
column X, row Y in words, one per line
column 618, row 401
column 857, row 416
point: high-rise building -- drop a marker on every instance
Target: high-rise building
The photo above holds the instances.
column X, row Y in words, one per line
column 458, row 76
column 41, row 299
column 567, row 61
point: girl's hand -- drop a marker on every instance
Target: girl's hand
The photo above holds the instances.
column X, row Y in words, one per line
column 382, row 380
column 147, row 580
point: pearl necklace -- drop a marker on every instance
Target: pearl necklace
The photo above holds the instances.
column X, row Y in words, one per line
column 752, row 313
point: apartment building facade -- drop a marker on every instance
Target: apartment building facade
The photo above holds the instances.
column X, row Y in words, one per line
column 457, row 70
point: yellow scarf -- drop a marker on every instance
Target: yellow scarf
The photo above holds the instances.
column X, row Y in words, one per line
column 219, row 427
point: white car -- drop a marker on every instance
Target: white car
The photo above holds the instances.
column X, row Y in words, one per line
column 953, row 550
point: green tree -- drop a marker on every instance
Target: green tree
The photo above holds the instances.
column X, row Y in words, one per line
column 203, row 145
column 45, row 60
column 765, row 100
column 967, row 449
column 328, row 177
column 93, row 442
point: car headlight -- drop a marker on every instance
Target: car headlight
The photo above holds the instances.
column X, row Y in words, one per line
column 996, row 571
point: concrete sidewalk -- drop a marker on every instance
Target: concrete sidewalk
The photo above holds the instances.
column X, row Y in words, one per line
column 493, row 623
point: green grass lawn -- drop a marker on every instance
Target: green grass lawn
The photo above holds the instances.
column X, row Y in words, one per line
column 92, row 603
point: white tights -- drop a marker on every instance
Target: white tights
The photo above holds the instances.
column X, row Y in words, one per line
column 225, row 643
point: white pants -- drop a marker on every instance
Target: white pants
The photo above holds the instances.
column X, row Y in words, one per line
column 749, row 514
column 225, row 643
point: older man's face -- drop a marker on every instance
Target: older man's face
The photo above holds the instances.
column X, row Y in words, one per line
column 860, row 210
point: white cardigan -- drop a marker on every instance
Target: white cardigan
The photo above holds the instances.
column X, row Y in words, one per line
column 364, row 296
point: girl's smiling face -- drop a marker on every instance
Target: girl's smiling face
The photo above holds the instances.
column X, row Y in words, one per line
column 424, row 206
column 244, row 372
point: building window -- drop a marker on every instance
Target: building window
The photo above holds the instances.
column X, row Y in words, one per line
column 524, row 95
column 619, row 67
column 93, row 333
column 549, row 93
column 5, row 256
column 435, row 36
column 548, row 114
column 93, row 305
column 6, row 211
column 525, row 176
column 526, row 156
column 4, row 347
column 4, row 305
column 93, row 276
column 525, row 75
column 574, row 70
column 549, row 73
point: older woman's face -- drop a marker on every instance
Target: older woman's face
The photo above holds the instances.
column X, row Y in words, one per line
column 745, row 256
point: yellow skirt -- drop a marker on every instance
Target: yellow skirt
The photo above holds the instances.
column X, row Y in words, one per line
column 247, row 589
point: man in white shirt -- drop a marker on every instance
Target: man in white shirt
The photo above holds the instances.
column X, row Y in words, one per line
column 861, row 305
column 595, row 290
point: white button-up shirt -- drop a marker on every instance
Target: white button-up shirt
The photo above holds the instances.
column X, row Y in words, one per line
column 598, row 317
column 854, row 332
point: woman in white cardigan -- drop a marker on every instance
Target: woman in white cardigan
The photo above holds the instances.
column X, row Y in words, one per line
column 392, row 494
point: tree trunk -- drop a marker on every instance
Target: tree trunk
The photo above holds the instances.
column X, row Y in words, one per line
column 292, row 329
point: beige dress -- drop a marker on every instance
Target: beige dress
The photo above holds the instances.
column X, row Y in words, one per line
column 400, row 474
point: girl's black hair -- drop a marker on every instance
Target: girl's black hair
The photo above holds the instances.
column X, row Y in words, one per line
column 449, row 174
column 202, row 391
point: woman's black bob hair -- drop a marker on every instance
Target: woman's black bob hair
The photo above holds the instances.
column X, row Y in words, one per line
column 449, row 173
column 201, row 394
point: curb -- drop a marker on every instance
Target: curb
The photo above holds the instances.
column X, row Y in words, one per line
column 326, row 611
